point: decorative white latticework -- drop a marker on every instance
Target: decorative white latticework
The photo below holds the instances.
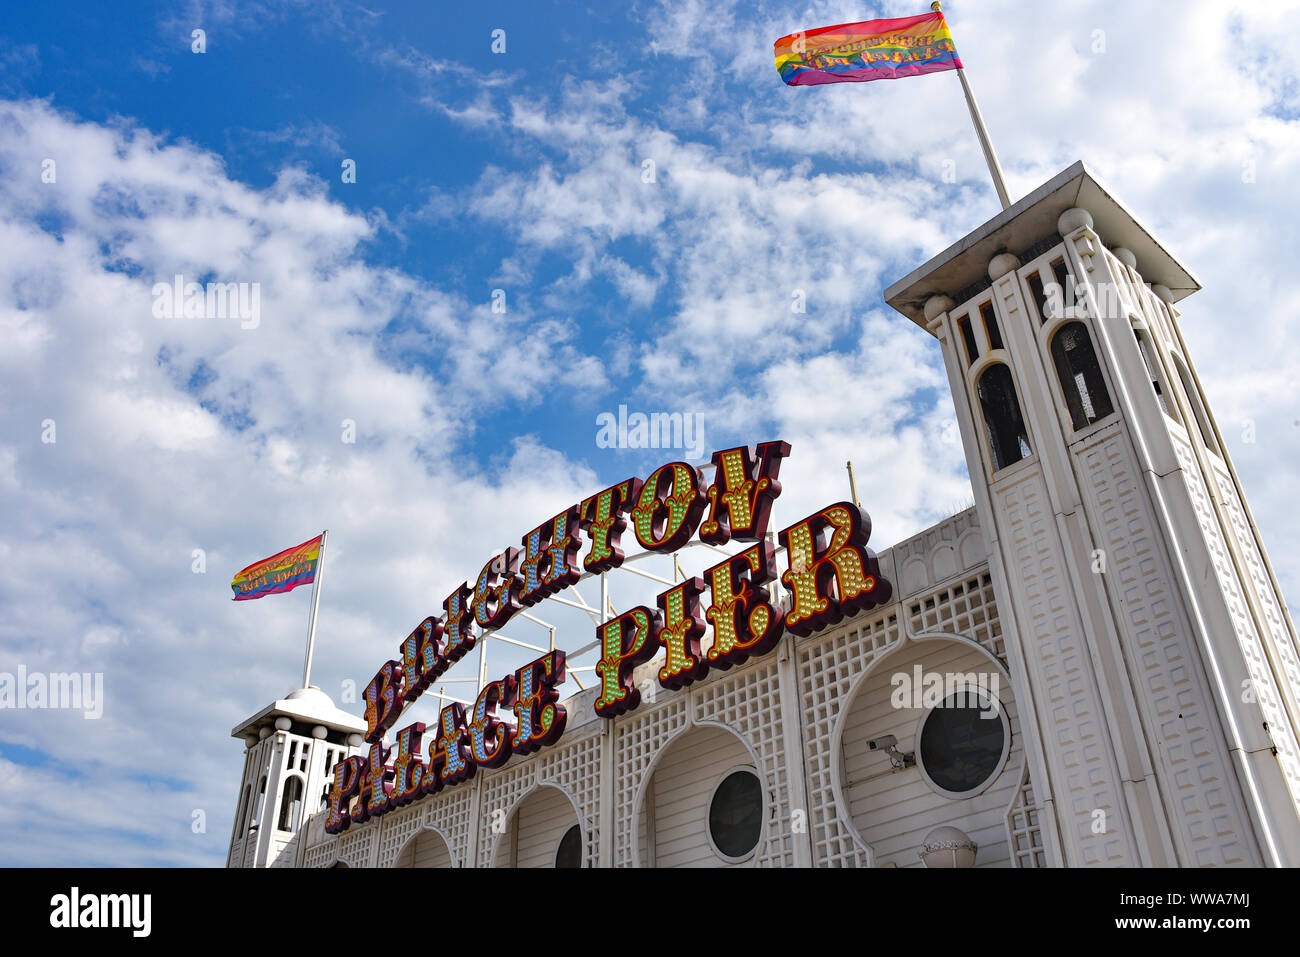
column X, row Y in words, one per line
column 1024, row 828
column 829, row 666
column 964, row 608
column 638, row 738
column 746, row 701
column 499, row 793
column 322, row 855
column 354, row 846
column 397, row 828
column 451, row 817
column 575, row 768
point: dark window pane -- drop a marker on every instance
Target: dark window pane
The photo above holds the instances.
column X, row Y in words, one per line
column 1008, row 437
column 260, row 804
column 1144, row 349
column 1080, row 375
column 1035, row 281
column 991, row 325
column 290, row 804
column 962, row 742
column 736, row 814
column 570, row 850
column 972, row 350
column 1065, row 281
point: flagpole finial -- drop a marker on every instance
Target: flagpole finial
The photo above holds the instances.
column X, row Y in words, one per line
column 936, row 6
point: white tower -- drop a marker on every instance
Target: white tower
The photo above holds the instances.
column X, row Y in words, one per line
column 1150, row 645
column 292, row 747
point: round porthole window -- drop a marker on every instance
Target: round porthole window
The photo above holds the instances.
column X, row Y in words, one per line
column 736, row 814
column 963, row 745
column 569, row 853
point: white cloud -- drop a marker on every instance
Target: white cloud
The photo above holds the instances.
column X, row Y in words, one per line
column 181, row 434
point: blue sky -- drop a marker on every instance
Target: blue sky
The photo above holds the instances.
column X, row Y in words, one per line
column 523, row 171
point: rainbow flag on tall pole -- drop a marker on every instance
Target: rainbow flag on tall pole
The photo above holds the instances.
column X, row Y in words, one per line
column 883, row 50
column 301, row 565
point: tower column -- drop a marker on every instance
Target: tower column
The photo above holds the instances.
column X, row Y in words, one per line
column 295, row 741
column 1029, row 502
column 1160, row 667
column 1184, row 464
column 266, row 826
column 939, row 324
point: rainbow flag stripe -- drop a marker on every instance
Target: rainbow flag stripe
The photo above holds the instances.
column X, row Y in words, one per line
column 871, row 50
column 283, row 572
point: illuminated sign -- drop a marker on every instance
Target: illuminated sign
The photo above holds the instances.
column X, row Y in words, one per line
column 830, row 573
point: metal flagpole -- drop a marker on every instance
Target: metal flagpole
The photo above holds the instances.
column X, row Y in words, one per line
column 990, row 157
column 315, row 604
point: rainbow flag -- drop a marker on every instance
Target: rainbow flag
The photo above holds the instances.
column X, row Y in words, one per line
column 283, row 572
column 871, row 50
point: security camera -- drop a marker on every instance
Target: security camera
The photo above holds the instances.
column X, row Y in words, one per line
column 889, row 744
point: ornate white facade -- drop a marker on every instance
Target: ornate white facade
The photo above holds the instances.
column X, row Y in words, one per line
column 1109, row 579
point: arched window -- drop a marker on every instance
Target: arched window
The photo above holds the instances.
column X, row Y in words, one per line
column 330, row 756
column 1008, row 437
column 569, row 852
column 991, row 325
column 291, row 804
column 1151, row 362
column 241, row 821
column 1080, row 375
column 256, row 820
column 968, row 337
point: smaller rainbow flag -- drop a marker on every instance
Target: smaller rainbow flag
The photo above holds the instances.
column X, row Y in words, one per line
column 283, row 572
column 871, row 50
